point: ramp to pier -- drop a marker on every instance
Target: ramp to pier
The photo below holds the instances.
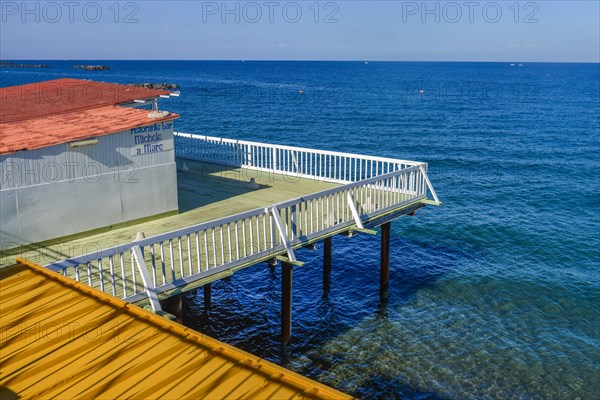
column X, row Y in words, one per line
column 64, row 339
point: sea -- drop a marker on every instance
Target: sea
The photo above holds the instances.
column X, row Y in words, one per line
column 494, row 295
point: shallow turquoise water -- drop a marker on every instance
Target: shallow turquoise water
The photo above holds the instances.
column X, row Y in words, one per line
column 495, row 295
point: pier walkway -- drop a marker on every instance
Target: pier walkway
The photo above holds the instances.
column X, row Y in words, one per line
column 299, row 197
column 64, row 339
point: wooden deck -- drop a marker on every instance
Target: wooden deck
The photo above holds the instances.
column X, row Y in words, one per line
column 206, row 192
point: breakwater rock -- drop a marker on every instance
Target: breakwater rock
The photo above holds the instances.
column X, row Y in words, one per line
column 9, row 64
column 92, row 67
column 161, row 86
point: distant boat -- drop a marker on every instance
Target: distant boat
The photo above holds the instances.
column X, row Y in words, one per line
column 520, row 65
column 366, row 62
column 512, row 65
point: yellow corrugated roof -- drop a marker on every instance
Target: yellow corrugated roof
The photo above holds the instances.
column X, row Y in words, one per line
column 63, row 339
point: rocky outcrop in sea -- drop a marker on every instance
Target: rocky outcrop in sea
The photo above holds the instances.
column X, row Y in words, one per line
column 92, row 67
column 9, row 64
column 161, row 86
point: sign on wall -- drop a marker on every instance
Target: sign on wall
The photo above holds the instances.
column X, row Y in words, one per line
column 153, row 138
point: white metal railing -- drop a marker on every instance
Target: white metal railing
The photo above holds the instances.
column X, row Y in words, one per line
column 144, row 268
column 301, row 162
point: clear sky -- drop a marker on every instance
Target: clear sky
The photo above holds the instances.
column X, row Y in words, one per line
column 546, row 30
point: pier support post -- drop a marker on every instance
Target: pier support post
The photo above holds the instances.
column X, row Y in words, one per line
column 207, row 296
column 174, row 306
column 272, row 265
column 384, row 272
column 327, row 244
column 286, row 303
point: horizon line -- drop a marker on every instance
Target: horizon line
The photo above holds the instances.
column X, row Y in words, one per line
column 300, row 60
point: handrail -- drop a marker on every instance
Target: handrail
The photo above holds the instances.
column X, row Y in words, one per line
column 188, row 254
column 211, row 224
column 294, row 148
column 323, row 165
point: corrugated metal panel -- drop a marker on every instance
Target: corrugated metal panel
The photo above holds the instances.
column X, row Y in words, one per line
column 58, row 191
column 60, row 163
column 42, row 212
column 61, row 339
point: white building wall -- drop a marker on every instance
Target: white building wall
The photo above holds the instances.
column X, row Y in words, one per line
column 58, row 190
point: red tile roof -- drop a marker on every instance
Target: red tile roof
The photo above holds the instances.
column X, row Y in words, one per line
column 63, row 110
column 35, row 100
column 63, row 128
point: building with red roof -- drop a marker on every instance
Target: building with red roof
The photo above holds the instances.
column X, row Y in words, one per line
column 77, row 155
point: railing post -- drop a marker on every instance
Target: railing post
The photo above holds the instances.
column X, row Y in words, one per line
column 283, row 234
column 272, row 229
column 136, row 252
column 240, row 154
column 293, row 222
column 429, row 185
column 354, row 211
column 294, row 155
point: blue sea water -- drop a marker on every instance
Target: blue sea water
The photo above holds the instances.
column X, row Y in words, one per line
column 495, row 295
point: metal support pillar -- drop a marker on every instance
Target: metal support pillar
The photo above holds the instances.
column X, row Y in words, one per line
column 174, row 306
column 327, row 244
column 286, row 302
column 207, row 296
column 384, row 275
